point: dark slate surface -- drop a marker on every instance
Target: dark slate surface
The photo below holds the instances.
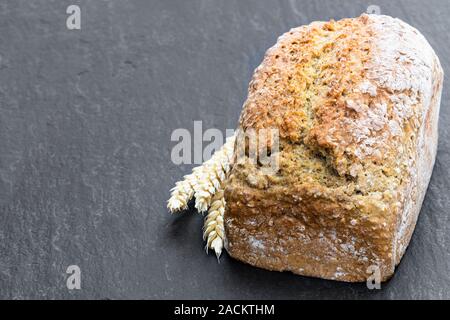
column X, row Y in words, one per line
column 85, row 124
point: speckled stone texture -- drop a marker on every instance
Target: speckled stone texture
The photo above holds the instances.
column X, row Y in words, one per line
column 85, row 124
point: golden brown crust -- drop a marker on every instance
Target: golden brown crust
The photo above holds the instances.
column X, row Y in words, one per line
column 345, row 196
column 305, row 83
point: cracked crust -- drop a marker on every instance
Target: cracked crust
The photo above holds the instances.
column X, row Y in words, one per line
column 356, row 103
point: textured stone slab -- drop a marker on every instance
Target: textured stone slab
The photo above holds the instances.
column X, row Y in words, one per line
column 85, row 124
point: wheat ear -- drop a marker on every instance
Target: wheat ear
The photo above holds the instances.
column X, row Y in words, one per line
column 213, row 230
column 213, row 174
column 183, row 191
column 203, row 181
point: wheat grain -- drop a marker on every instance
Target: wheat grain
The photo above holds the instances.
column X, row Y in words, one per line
column 213, row 230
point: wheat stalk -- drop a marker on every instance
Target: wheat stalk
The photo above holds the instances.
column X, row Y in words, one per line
column 213, row 175
column 213, row 230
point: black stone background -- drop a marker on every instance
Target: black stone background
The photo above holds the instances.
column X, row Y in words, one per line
column 85, row 124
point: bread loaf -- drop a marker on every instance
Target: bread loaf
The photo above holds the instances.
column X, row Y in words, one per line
column 356, row 105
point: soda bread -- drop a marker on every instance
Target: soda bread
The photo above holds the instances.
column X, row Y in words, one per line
column 356, row 104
